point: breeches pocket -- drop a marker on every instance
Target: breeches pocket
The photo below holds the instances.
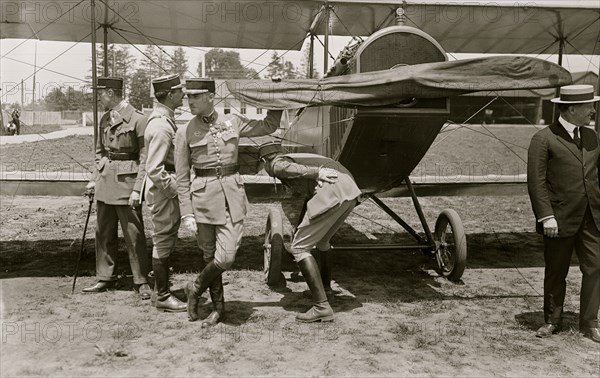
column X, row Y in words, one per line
column 239, row 181
column 198, row 185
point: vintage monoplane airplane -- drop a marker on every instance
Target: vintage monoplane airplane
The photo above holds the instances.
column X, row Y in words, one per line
column 386, row 97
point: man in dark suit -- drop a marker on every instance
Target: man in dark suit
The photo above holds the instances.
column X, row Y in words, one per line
column 331, row 195
column 563, row 183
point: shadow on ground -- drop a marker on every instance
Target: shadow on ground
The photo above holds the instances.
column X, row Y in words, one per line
column 402, row 273
column 535, row 319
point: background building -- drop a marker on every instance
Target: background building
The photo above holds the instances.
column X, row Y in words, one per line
column 522, row 106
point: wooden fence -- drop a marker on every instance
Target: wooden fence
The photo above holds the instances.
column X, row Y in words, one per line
column 35, row 118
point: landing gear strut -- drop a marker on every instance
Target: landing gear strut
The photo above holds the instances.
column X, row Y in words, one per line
column 447, row 244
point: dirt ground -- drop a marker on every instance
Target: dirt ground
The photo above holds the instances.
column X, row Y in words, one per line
column 394, row 315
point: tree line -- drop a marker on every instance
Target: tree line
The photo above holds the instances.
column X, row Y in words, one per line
column 159, row 61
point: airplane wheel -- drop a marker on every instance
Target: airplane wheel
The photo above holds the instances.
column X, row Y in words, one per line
column 273, row 248
column 451, row 245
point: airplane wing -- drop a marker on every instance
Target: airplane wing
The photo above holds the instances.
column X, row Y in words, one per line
column 235, row 24
column 502, row 26
column 377, row 88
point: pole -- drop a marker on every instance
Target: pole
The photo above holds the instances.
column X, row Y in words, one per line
column 22, row 94
column 597, row 120
column 561, row 45
column 326, row 48
column 34, row 70
column 311, row 56
column 105, row 48
column 94, row 73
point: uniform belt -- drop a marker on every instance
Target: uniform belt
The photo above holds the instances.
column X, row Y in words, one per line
column 169, row 168
column 122, row 156
column 224, row 170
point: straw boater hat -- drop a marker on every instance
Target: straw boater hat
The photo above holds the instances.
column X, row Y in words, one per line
column 167, row 83
column 199, row 85
column 576, row 94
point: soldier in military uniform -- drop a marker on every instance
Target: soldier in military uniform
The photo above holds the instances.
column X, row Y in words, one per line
column 331, row 195
column 213, row 203
column 161, row 188
column 120, row 171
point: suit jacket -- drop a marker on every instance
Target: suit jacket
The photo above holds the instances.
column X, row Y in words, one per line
column 159, row 139
column 116, row 179
column 300, row 171
column 201, row 145
column 562, row 180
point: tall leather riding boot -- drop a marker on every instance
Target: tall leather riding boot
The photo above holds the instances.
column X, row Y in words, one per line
column 160, row 269
column 321, row 310
column 218, row 301
column 317, row 255
column 325, row 267
column 194, row 289
column 164, row 300
column 324, row 260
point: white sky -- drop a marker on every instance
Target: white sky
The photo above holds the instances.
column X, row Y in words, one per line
column 76, row 62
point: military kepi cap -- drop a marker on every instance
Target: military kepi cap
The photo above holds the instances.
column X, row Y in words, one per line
column 576, row 94
column 199, row 85
column 167, row 83
column 269, row 148
column 110, row 83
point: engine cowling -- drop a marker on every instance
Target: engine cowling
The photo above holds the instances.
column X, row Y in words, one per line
column 381, row 145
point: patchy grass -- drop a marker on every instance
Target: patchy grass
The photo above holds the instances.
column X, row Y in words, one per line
column 393, row 315
column 114, row 350
column 39, row 129
column 68, row 154
column 471, row 150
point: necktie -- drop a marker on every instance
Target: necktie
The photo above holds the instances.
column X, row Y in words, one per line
column 576, row 137
column 209, row 118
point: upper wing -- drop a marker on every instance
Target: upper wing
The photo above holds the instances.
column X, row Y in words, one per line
column 502, row 26
column 240, row 23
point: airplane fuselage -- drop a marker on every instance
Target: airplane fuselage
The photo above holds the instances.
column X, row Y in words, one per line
column 379, row 145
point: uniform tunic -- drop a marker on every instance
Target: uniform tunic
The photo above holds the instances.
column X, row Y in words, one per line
column 218, row 202
column 161, row 187
column 327, row 207
column 118, row 178
column 121, row 134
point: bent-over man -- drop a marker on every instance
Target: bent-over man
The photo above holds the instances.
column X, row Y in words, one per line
column 331, row 194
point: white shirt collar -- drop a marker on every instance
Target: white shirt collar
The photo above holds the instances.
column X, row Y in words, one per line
column 567, row 125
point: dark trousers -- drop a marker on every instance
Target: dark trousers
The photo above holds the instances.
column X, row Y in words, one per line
column 557, row 256
column 108, row 218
